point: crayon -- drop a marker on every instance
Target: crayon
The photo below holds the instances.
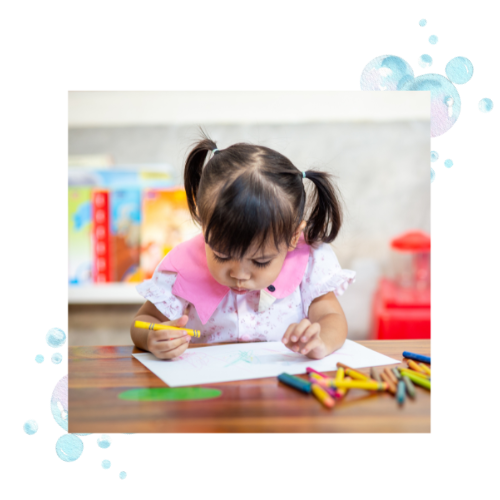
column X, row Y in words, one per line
column 417, row 379
column 411, row 364
column 154, row 326
column 369, row 385
column 389, row 373
column 312, row 370
column 353, row 373
column 344, row 390
column 400, row 394
column 390, row 386
column 374, row 375
column 425, row 368
column 410, row 388
column 396, row 373
column 322, row 381
column 417, row 357
column 413, row 372
column 295, row 382
column 322, row 395
column 340, row 374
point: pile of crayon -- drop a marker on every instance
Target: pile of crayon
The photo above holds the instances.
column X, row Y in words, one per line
column 397, row 381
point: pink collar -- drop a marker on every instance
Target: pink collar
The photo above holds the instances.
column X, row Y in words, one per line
column 195, row 284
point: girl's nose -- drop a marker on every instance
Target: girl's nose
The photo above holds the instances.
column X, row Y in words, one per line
column 238, row 272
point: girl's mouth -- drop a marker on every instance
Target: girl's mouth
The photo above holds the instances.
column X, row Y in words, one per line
column 240, row 291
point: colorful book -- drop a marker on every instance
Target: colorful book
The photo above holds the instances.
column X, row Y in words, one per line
column 101, row 241
column 125, row 220
column 79, row 230
column 166, row 222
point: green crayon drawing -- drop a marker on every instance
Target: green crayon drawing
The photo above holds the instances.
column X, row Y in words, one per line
column 246, row 356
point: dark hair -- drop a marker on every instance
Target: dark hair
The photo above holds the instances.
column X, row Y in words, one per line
column 247, row 193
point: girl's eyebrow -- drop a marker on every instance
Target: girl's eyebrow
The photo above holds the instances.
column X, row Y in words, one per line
column 261, row 257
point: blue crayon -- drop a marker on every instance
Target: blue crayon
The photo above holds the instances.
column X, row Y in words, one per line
column 417, row 357
column 295, row 382
column 400, row 394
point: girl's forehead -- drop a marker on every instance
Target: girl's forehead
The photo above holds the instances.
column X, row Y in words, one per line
column 258, row 250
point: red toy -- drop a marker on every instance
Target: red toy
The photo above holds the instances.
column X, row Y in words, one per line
column 402, row 305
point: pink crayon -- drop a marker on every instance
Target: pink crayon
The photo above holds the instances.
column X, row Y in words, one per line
column 312, row 370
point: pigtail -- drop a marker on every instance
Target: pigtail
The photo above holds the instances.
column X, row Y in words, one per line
column 193, row 169
column 325, row 217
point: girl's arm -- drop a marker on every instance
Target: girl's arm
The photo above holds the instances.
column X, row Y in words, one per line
column 149, row 313
column 327, row 312
column 322, row 333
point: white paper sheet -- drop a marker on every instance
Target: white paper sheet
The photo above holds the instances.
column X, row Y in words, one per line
column 223, row 363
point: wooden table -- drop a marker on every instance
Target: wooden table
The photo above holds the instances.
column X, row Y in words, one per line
column 97, row 375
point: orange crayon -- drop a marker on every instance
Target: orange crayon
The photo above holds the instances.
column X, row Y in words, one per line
column 391, row 375
column 390, row 385
column 414, row 366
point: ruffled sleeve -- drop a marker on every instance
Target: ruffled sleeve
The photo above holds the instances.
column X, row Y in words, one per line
column 158, row 290
column 323, row 274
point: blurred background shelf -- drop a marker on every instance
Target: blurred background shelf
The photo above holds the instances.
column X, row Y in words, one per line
column 104, row 293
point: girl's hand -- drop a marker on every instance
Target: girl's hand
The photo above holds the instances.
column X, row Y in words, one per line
column 304, row 337
column 168, row 344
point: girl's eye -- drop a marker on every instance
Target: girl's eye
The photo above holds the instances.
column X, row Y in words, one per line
column 258, row 264
column 263, row 264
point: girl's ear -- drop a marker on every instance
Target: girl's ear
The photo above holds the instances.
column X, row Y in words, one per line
column 296, row 235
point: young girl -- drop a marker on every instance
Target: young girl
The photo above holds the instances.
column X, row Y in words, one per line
column 260, row 270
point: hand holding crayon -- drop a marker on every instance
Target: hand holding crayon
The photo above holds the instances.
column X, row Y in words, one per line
column 166, row 340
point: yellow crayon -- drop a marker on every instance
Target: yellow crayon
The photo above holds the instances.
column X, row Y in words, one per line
column 322, row 381
column 322, row 395
column 405, row 371
column 353, row 373
column 414, row 366
column 343, row 391
column 154, row 326
column 425, row 368
column 360, row 384
column 340, row 374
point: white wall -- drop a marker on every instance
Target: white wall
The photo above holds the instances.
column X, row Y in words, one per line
column 91, row 109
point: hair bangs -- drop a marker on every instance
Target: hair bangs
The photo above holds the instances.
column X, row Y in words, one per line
column 246, row 213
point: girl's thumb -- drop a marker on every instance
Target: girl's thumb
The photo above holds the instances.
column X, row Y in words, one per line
column 180, row 321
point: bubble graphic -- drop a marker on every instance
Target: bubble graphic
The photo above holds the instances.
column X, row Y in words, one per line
column 59, row 403
column 106, row 464
column 55, row 337
column 459, row 70
column 448, row 163
column 433, row 175
column 123, row 474
column 434, row 156
column 445, row 101
column 69, row 447
column 56, row 358
column 30, row 427
column 39, row 358
column 104, row 441
column 425, row 60
column 386, row 73
column 422, row 22
column 433, row 39
column 485, row 105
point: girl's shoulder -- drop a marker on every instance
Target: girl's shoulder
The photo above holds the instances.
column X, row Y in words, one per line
column 158, row 290
column 324, row 273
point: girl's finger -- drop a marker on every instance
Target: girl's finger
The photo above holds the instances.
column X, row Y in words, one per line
column 286, row 337
column 314, row 329
column 175, row 352
column 300, row 329
column 170, row 335
column 314, row 342
column 169, row 345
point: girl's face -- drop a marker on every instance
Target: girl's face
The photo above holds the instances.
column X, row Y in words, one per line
column 257, row 269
